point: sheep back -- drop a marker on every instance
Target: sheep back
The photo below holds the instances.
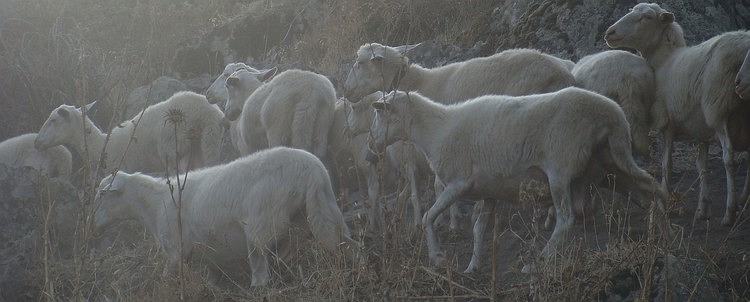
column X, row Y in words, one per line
column 298, row 111
column 19, row 151
column 628, row 80
column 198, row 129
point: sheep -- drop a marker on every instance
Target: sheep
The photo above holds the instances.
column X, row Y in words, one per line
column 742, row 81
column 231, row 211
column 627, row 79
column 152, row 148
column 485, row 147
column 403, row 156
column 511, row 72
column 53, row 162
column 238, row 87
column 694, row 90
column 159, row 90
column 294, row 109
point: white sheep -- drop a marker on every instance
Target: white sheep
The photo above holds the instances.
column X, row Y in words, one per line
column 484, row 148
column 152, row 148
column 627, row 79
column 238, row 86
column 294, row 109
column 230, row 212
column 19, row 152
column 511, row 72
column 159, row 90
column 694, row 90
column 742, row 81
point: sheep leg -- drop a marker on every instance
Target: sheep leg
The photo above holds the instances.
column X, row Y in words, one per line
column 745, row 191
column 561, row 196
column 375, row 218
column 414, row 196
column 258, row 266
column 666, row 161
column 487, row 211
column 727, row 156
column 450, row 194
column 701, row 211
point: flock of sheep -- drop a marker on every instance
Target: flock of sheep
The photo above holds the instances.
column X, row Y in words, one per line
column 480, row 127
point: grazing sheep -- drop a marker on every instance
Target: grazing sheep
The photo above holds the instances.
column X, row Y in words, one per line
column 152, row 148
column 511, row 72
column 238, row 87
column 159, row 90
column 19, row 151
column 626, row 79
column 217, row 92
column 293, row 109
column 231, row 211
column 485, row 147
column 694, row 90
column 742, row 81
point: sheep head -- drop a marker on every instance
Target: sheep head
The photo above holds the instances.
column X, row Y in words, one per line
column 217, row 92
column 111, row 207
column 361, row 115
column 376, row 67
column 641, row 28
column 389, row 124
column 59, row 129
column 240, row 85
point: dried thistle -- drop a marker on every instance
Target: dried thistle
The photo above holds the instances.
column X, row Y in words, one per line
column 174, row 116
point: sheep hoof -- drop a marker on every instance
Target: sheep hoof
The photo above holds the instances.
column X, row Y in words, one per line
column 700, row 215
column 438, row 260
column 728, row 219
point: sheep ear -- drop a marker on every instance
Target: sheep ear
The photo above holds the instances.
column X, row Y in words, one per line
column 403, row 49
column 89, row 106
column 381, row 105
column 63, row 112
column 232, row 81
column 666, row 18
column 267, row 74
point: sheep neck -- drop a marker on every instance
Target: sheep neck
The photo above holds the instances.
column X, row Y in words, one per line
column 670, row 41
column 409, row 77
column 426, row 122
column 91, row 142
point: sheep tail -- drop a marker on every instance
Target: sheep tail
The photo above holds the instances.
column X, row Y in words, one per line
column 303, row 125
column 633, row 104
column 621, row 152
column 323, row 215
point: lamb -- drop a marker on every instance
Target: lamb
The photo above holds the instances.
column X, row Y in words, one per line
column 238, row 87
column 53, row 162
column 231, row 211
column 294, row 109
column 152, row 148
column 627, row 79
column 159, row 90
column 742, row 81
column 511, row 72
column 694, row 90
column 485, row 147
